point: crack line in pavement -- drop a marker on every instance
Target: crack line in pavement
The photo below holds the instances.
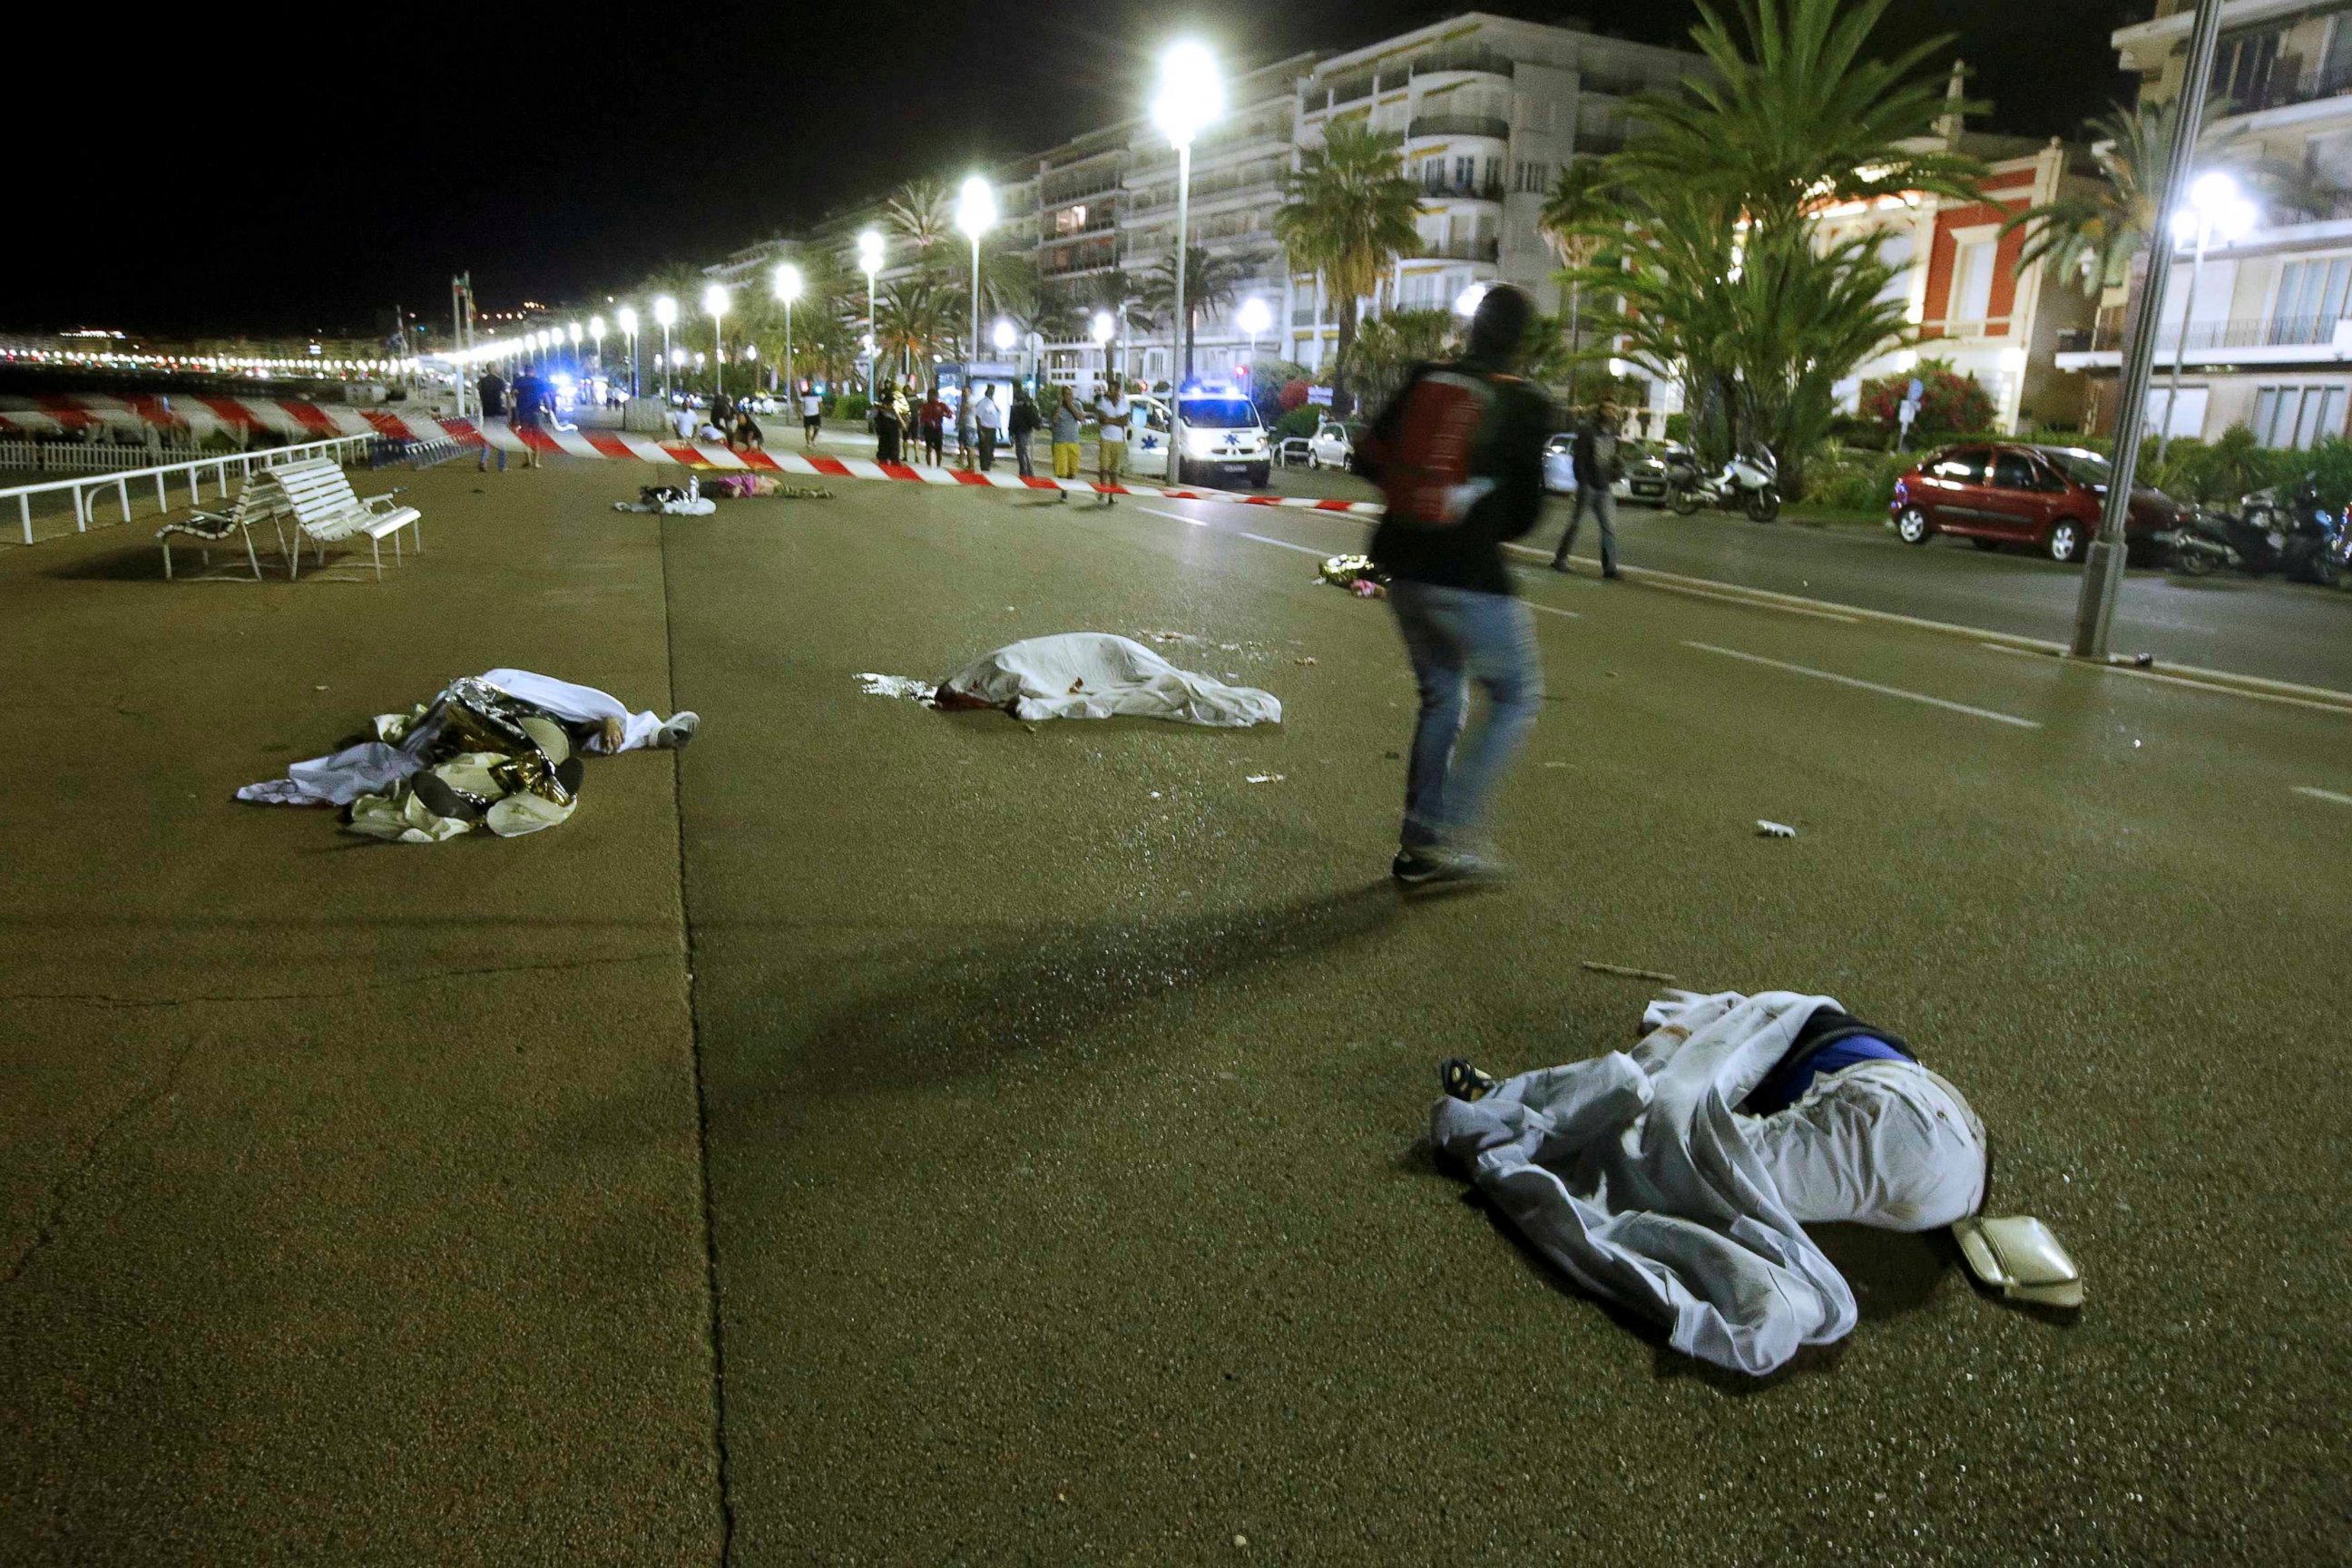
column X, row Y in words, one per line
column 102, row 999
column 62, row 1190
column 720, row 1457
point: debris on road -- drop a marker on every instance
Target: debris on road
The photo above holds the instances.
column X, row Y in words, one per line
column 1774, row 829
column 2018, row 1256
column 1357, row 575
column 1600, row 968
column 1307, row 660
column 905, row 686
column 669, row 500
column 1099, row 675
column 501, row 750
column 1262, row 778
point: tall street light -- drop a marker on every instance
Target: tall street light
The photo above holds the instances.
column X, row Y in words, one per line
column 597, row 337
column 714, row 304
column 1254, row 318
column 975, row 215
column 1103, row 329
column 1004, row 337
column 869, row 261
column 2215, row 206
column 1192, row 95
column 572, row 332
column 788, row 289
column 628, row 316
column 666, row 312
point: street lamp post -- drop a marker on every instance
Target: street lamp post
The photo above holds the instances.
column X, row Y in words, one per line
column 869, row 261
column 1103, row 329
column 596, row 339
column 628, row 316
column 975, row 215
column 714, row 301
column 572, row 332
column 666, row 312
column 1003, row 336
column 1192, row 95
column 788, row 289
column 1255, row 319
column 2214, row 207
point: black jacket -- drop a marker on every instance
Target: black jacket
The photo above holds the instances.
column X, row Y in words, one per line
column 1589, row 469
column 1510, row 453
column 1024, row 417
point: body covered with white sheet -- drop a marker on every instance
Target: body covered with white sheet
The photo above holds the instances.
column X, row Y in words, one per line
column 1636, row 1175
column 1097, row 674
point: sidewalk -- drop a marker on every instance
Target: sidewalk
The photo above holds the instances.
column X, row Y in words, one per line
column 350, row 1186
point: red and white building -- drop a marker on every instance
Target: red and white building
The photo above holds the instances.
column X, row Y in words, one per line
column 1958, row 278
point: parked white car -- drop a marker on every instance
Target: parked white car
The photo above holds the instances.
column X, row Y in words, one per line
column 1333, row 445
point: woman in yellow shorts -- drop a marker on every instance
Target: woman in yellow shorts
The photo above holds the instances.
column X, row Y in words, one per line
column 1066, row 439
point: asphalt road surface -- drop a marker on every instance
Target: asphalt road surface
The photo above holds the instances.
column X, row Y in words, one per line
column 889, row 1136
column 2261, row 626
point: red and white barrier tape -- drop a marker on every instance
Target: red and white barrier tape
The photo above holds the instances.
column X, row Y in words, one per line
column 295, row 420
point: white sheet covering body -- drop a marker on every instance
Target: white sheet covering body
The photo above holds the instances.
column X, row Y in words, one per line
column 1096, row 674
column 373, row 767
column 1635, row 1176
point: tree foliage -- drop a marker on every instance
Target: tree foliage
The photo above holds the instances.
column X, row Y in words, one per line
column 1350, row 213
column 1950, row 404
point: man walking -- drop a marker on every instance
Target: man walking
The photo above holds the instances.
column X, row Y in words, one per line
column 1112, row 407
column 932, row 425
column 988, row 422
column 529, row 394
column 1022, row 421
column 811, row 415
column 492, row 390
column 1459, row 457
column 1066, row 440
column 1598, row 467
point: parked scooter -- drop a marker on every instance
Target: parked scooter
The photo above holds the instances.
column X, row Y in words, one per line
column 2296, row 536
column 1749, row 482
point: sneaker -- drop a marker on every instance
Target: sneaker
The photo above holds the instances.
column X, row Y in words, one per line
column 1612, row 574
column 677, row 730
column 1462, row 1081
column 1560, row 563
column 1433, row 868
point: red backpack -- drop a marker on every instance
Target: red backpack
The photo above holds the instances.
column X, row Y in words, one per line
column 1425, row 462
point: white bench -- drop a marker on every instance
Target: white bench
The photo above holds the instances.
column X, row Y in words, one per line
column 258, row 501
column 323, row 508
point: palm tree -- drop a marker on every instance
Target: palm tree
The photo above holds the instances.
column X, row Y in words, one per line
column 918, row 214
column 1573, row 220
column 919, row 318
column 1209, row 282
column 1348, row 216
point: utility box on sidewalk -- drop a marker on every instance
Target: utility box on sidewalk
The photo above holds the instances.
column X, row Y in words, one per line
column 645, row 416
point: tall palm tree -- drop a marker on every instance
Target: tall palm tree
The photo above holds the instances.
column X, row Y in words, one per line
column 1574, row 221
column 918, row 317
column 1348, row 216
column 918, row 213
column 1210, row 283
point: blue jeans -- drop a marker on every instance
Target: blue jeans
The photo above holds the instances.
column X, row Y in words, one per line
column 1604, row 512
column 1456, row 636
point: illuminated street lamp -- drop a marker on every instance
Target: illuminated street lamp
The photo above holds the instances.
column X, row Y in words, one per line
column 596, row 338
column 1192, row 96
column 975, row 215
column 666, row 312
column 1466, row 304
column 2215, row 207
column 714, row 305
column 788, row 289
column 572, row 332
column 628, row 316
column 1003, row 336
column 1254, row 318
column 1103, row 329
column 869, row 261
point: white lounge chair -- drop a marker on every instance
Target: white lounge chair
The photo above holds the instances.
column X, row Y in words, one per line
column 259, row 501
column 324, row 511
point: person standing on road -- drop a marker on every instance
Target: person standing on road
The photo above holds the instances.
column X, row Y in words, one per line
column 1458, row 455
column 963, row 426
column 492, row 390
column 1022, row 421
column 1066, row 439
column 1598, row 467
column 887, row 429
column 988, row 422
column 1113, row 409
column 811, row 415
column 524, row 421
column 931, row 423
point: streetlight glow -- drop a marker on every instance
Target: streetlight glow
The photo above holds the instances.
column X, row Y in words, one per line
column 1191, row 92
column 869, row 251
column 627, row 316
column 1254, row 317
column 1465, row 304
column 1001, row 334
column 714, row 300
column 1102, row 327
column 975, row 208
column 869, row 261
column 787, row 283
column 665, row 310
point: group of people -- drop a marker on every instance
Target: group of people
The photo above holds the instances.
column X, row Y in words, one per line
column 981, row 424
column 528, row 405
column 730, row 422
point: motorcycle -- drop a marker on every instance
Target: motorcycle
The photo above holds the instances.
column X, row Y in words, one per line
column 1749, row 482
column 2296, row 536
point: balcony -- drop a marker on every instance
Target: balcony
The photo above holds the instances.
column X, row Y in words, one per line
column 1104, row 183
column 1439, row 188
column 1494, row 125
column 2246, row 332
column 1460, row 250
column 2290, row 82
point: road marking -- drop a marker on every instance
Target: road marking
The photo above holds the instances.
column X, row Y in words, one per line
column 2315, row 792
column 1549, row 610
column 1869, row 685
column 2216, row 686
column 1178, row 516
column 1286, row 545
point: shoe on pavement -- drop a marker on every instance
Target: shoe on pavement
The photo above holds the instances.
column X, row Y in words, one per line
column 677, row 730
column 1612, row 575
column 1560, row 563
column 1462, row 1081
column 1415, row 869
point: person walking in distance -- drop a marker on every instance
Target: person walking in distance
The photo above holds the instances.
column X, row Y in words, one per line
column 524, row 421
column 932, row 424
column 1066, row 440
column 988, row 424
column 1458, row 455
column 811, row 415
column 965, row 431
column 1021, row 421
column 1113, row 409
column 887, row 429
column 492, row 390
column 1598, row 466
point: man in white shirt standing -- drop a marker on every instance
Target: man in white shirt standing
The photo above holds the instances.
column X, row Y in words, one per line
column 989, row 417
column 1112, row 407
column 811, row 415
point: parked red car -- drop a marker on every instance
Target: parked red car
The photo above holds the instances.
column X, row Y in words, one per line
column 1997, row 493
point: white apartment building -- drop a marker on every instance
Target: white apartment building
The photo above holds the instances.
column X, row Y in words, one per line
column 2266, row 341
column 1486, row 111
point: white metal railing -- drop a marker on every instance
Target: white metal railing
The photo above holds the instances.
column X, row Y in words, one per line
column 86, row 456
column 84, row 491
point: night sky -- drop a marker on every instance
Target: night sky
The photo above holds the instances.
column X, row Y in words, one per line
column 552, row 151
